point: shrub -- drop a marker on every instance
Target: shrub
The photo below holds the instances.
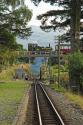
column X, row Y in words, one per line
column 76, row 68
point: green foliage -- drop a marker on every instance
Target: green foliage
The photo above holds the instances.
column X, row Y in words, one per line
column 13, row 2
column 9, row 41
column 56, row 88
column 76, row 67
column 14, row 18
column 20, row 47
column 8, row 73
column 23, row 59
column 76, row 61
column 77, row 99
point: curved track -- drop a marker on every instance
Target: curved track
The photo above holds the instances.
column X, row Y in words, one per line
column 47, row 113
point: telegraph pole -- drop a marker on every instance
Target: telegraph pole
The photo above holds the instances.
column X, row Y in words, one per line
column 40, row 73
column 49, row 66
column 59, row 40
column 49, row 69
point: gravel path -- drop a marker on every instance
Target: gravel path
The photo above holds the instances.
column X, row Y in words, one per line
column 71, row 113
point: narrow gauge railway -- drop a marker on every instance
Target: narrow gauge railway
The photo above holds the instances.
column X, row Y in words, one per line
column 47, row 113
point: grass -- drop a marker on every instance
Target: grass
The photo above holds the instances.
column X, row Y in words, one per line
column 56, row 88
column 77, row 99
column 11, row 94
column 7, row 74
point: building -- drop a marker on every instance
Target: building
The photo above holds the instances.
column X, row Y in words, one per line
column 34, row 48
column 65, row 48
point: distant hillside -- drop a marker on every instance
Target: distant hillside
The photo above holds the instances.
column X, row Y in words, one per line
column 41, row 37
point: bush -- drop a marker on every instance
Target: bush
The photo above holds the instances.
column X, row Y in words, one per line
column 76, row 61
column 76, row 68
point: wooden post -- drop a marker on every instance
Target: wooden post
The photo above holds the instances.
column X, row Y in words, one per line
column 59, row 62
column 40, row 74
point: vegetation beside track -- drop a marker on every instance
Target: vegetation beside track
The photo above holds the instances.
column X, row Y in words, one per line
column 7, row 74
column 11, row 94
column 64, row 83
column 77, row 99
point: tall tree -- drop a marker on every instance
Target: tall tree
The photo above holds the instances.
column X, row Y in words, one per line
column 70, row 16
column 75, row 24
column 14, row 18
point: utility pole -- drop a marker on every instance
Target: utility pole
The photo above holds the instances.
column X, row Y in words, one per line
column 49, row 69
column 40, row 73
column 59, row 40
column 49, row 66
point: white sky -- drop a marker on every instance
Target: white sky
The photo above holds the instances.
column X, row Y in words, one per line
column 36, row 10
column 38, row 35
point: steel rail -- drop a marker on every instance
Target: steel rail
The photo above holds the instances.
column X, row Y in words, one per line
column 52, row 105
column 39, row 114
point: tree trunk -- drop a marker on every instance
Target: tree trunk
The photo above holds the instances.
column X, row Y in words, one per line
column 75, row 25
column 75, row 35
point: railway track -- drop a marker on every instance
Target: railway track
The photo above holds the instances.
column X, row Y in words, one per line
column 47, row 114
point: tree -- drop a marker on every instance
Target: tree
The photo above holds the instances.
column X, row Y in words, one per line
column 76, row 69
column 75, row 24
column 14, row 18
column 70, row 15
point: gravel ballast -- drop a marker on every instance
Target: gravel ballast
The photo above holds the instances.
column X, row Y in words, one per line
column 71, row 113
